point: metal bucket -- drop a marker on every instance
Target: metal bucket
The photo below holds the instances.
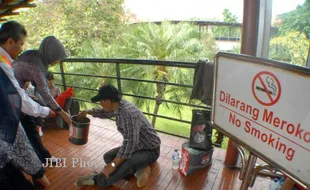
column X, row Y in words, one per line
column 78, row 131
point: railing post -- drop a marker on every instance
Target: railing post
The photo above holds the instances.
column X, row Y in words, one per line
column 62, row 75
column 118, row 75
column 250, row 164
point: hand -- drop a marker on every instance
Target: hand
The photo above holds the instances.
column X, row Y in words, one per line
column 66, row 117
column 51, row 114
column 108, row 169
column 82, row 114
column 43, row 181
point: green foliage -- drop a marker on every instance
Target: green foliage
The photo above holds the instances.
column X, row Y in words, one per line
column 73, row 22
column 290, row 48
column 229, row 17
column 163, row 42
column 296, row 20
column 291, row 45
column 225, row 31
column 181, row 42
column 97, row 20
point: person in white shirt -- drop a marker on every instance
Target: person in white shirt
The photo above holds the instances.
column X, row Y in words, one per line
column 9, row 50
column 15, row 156
column 36, row 97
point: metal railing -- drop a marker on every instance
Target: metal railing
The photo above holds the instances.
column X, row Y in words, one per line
column 119, row 79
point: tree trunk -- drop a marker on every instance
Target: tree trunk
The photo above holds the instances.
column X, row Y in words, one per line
column 156, row 108
column 161, row 88
column 308, row 57
column 161, row 75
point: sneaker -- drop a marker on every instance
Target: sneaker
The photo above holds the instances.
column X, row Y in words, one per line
column 143, row 176
column 85, row 180
column 55, row 160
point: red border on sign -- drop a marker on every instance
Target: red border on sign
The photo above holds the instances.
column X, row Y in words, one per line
column 272, row 101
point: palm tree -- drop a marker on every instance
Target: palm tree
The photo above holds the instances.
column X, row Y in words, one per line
column 91, row 49
column 179, row 42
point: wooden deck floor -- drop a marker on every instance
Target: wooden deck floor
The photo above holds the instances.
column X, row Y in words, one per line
column 81, row 160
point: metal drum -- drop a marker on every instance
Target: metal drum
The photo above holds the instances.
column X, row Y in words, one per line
column 78, row 131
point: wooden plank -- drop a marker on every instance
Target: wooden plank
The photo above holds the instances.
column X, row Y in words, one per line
column 103, row 136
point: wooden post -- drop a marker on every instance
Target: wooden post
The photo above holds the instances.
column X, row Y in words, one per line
column 249, row 47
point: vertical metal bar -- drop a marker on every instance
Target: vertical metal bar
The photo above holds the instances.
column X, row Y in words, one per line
column 118, row 75
column 243, row 160
column 63, row 75
column 264, row 26
column 248, row 172
column 259, row 168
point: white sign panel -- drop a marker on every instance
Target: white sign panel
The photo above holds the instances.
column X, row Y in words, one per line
column 267, row 108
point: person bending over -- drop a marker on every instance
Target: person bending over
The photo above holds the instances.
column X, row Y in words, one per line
column 32, row 65
column 140, row 146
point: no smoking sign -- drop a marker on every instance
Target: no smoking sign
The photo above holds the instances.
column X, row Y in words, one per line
column 253, row 106
column 266, row 88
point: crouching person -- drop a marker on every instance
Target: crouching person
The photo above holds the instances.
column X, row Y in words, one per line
column 140, row 146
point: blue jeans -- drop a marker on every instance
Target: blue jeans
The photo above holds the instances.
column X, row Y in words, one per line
column 137, row 160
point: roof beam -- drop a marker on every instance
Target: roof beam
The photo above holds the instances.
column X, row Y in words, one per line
column 19, row 6
column 4, row 3
column 10, row 7
column 9, row 14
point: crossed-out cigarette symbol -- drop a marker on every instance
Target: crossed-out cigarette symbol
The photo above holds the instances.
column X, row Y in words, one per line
column 271, row 85
column 263, row 90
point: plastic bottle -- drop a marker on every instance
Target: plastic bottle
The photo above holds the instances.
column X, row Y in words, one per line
column 266, row 183
column 175, row 159
column 275, row 184
column 281, row 181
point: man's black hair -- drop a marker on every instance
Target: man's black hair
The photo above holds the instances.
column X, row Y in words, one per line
column 12, row 29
